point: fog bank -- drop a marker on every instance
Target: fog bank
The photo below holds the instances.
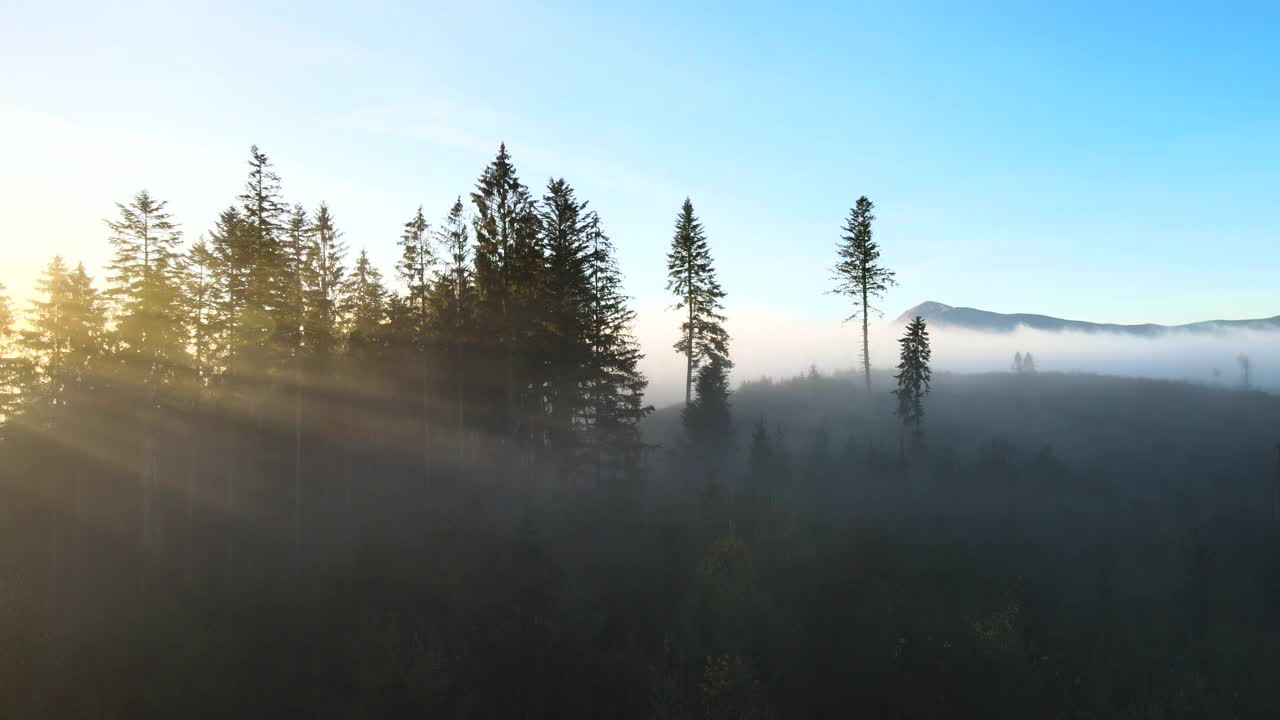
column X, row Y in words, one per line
column 769, row 343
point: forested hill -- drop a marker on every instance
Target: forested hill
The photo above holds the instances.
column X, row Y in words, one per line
column 940, row 315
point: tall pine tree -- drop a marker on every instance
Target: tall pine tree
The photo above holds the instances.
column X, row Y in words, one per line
column 692, row 278
column 566, row 296
column 858, row 273
column 508, row 261
column 262, row 261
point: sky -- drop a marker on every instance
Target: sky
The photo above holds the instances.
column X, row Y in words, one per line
column 1092, row 162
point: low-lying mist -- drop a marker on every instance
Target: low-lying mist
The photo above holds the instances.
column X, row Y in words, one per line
column 769, row 344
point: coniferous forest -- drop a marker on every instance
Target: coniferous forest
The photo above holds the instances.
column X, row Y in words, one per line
column 244, row 472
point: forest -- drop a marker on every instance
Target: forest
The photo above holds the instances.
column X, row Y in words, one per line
column 252, row 475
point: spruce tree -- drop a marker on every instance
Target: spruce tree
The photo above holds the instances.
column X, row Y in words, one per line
column 262, row 261
column 367, row 308
column 914, row 374
column 296, row 249
column 12, row 375
column 455, row 313
column 201, row 302
column 146, row 287
column 508, row 262
column 65, row 334
column 615, row 386
column 229, row 262
column 708, row 427
column 859, row 275
column 416, row 268
column 692, row 279
column 324, row 284
column 566, row 294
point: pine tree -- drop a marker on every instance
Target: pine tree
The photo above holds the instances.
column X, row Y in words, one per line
column 566, row 294
column 455, row 313
column 201, row 294
column 615, row 387
column 368, row 303
column 508, row 261
column 262, row 261
column 324, row 284
column 146, row 287
column 416, row 267
column 296, row 248
column 691, row 277
column 65, row 334
column 1017, row 363
column 914, row 374
column 12, row 368
column 229, row 262
column 1028, row 364
column 707, row 425
column 858, row 273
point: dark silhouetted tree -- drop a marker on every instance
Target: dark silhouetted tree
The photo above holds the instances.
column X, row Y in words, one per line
column 455, row 314
column 707, row 424
column 914, row 374
column 692, row 279
column 615, row 386
column 508, row 262
column 415, row 269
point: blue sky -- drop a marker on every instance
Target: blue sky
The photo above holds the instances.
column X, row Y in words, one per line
column 1107, row 164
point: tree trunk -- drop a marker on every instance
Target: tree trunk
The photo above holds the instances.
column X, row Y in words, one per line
column 688, row 368
column 866, row 346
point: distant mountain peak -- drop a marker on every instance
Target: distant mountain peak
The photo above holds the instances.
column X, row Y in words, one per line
column 926, row 310
column 939, row 314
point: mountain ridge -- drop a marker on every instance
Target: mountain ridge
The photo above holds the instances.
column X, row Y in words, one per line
column 943, row 315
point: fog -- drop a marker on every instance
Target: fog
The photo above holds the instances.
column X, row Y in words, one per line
column 767, row 343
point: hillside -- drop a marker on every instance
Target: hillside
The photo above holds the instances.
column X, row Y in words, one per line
column 941, row 315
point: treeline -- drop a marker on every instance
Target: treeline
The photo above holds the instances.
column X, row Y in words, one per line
column 252, row 382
